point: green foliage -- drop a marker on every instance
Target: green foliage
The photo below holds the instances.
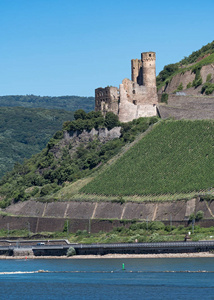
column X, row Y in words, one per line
column 180, row 87
column 198, row 79
column 111, row 120
column 69, row 103
column 192, row 217
column 189, row 85
column 46, row 189
column 71, row 251
column 164, row 98
column 209, row 48
column 199, row 215
column 66, row 226
column 209, row 77
column 172, row 158
column 26, row 131
column 207, row 88
column 80, row 114
column 84, row 121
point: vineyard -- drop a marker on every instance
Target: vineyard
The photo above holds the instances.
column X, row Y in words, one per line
column 175, row 157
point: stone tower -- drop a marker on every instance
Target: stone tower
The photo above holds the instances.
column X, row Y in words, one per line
column 148, row 69
column 143, row 70
column 137, row 75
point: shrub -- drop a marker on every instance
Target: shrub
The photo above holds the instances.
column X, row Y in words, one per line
column 208, row 88
column 199, row 215
column 189, row 85
column 45, row 190
column 164, row 98
column 192, row 217
column 180, row 87
column 209, row 77
column 156, row 225
column 71, row 251
column 198, row 79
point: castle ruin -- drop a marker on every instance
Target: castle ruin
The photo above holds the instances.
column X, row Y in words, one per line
column 135, row 98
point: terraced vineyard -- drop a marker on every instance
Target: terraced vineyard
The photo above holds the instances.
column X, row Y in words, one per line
column 175, row 157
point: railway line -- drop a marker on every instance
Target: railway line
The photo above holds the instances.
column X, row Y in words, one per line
column 57, row 249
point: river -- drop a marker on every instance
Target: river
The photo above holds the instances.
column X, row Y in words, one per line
column 155, row 278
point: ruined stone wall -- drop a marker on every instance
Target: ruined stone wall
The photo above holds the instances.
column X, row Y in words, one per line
column 106, row 100
column 187, row 107
column 135, row 98
column 136, row 101
column 137, row 75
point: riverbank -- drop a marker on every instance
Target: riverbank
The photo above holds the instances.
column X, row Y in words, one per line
column 122, row 256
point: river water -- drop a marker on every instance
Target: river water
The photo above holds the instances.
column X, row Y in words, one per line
column 156, row 278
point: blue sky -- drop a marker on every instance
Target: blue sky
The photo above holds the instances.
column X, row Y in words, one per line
column 66, row 47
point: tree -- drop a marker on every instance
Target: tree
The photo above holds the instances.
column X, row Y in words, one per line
column 111, row 120
column 80, row 114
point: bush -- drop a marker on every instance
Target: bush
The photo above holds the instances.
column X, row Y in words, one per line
column 198, row 79
column 209, row 77
column 164, row 98
column 156, row 225
column 45, row 190
column 192, row 217
column 199, row 215
column 207, row 88
column 71, row 251
column 180, row 87
column 189, row 85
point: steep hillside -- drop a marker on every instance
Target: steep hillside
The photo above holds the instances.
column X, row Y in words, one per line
column 193, row 75
column 69, row 103
column 83, row 146
column 175, row 157
column 26, row 131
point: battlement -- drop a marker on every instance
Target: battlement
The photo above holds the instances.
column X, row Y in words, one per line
column 148, row 56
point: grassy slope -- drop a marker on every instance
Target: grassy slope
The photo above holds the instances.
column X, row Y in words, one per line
column 25, row 131
column 177, row 156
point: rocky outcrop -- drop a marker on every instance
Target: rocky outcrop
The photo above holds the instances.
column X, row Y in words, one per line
column 73, row 139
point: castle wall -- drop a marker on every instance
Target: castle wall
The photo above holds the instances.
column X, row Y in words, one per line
column 136, row 101
column 135, row 98
column 106, row 99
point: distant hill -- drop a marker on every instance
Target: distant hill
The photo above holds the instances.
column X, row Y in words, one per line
column 69, row 103
column 26, row 131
